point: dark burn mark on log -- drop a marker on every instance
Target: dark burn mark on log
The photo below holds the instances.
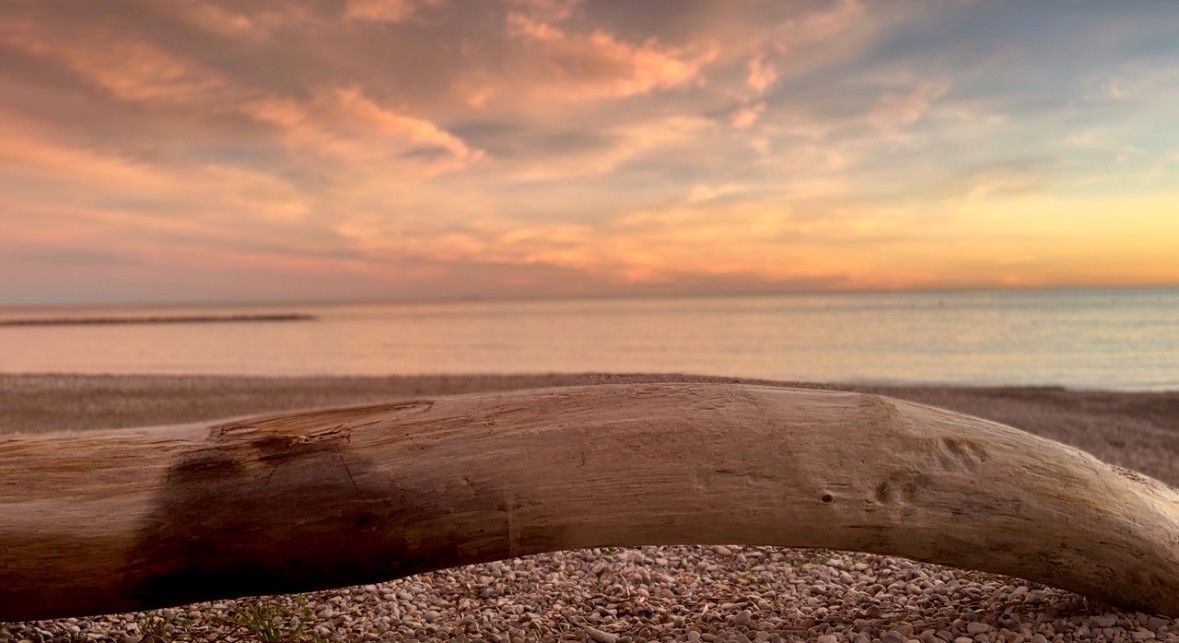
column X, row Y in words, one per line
column 368, row 524
column 267, row 509
column 271, row 524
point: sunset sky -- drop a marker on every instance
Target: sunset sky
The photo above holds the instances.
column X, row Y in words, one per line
column 215, row 150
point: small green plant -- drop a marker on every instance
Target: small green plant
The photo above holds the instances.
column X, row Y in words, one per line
column 268, row 621
column 157, row 628
column 262, row 620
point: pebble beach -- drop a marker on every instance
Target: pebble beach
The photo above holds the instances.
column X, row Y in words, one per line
column 683, row 593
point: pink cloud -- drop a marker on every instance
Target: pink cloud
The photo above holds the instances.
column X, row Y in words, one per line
column 253, row 20
column 836, row 31
column 219, row 19
column 35, row 154
column 386, row 10
column 660, row 137
column 819, row 25
column 349, row 126
column 747, row 116
column 599, row 65
column 528, row 28
column 478, row 94
column 353, row 103
column 548, row 10
column 662, row 245
column 762, row 74
column 128, row 68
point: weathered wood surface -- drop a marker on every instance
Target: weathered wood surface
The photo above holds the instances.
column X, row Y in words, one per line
column 132, row 519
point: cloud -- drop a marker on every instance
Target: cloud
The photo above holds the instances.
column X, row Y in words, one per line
column 796, row 43
column 708, row 235
column 690, row 242
column 220, row 20
column 546, row 10
column 33, row 156
column 383, row 10
column 896, row 111
column 616, row 149
column 820, row 25
column 1004, row 177
column 708, row 192
column 348, row 126
column 261, row 19
column 476, row 93
column 526, row 27
column 745, row 117
column 828, row 26
column 598, row 65
column 1132, row 83
column 129, row 68
column 762, row 74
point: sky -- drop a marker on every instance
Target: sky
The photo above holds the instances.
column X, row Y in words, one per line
column 208, row 150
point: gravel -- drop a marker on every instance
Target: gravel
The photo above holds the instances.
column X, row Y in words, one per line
column 717, row 594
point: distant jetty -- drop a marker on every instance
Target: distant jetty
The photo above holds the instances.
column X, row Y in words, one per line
column 179, row 319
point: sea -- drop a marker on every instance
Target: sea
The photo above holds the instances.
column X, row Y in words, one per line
column 1116, row 339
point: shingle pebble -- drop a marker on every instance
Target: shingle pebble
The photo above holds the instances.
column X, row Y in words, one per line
column 727, row 594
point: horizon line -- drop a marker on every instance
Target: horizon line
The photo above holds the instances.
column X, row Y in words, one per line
column 480, row 298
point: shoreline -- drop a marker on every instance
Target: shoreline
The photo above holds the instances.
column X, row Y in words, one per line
column 672, row 593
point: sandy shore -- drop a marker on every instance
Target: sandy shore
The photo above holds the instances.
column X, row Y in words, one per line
column 679, row 593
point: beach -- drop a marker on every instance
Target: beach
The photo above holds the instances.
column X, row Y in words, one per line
column 652, row 593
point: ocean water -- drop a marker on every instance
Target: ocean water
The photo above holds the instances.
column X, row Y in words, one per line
column 1126, row 339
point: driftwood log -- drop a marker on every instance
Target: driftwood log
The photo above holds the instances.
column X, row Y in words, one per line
column 123, row 520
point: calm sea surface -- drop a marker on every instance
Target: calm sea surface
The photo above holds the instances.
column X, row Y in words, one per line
column 1116, row 339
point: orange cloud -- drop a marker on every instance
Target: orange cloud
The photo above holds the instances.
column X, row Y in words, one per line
column 34, row 154
column 385, row 10
column 528, row 28
column 762, row 74
column 643, row 140
column 218, row 19
column 642, row 247
column 598, row 65
column 346, row 124
column 129, row 68
column 548, row 10
column 826, row 24
column 821, row 244
column 745, row 117
column 98, row 197
column 259, row 19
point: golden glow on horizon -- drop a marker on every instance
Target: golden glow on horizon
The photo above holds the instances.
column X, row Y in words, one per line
column 564, row 147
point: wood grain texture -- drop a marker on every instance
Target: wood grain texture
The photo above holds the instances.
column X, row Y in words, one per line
column 111, row 521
